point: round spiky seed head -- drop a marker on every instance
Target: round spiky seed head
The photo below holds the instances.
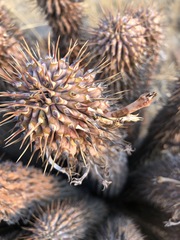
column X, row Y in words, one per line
column 147, row 184
column 120, row 41
column 163, row 134
column 65, row 17
column 60, row 110
column 10, row 37
column 119, row 227
column 68, row 220
column 150, row 19
column 22, row 189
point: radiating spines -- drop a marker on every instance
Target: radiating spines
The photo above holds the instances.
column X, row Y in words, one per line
column 61, row 112
column 119, row 39
column 157, row 184
column 65, row 17
column 119, row 227
column 129, row 42
column 68, row 220
column 22, row 189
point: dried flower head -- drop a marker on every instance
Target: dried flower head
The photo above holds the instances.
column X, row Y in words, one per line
column 118, row 171
column 10, row 37
column 68, row 220
column 65, row 17
column 22, row 189
column 119, row 227
column 151, row 20
column 120, row 41
column 60, row 111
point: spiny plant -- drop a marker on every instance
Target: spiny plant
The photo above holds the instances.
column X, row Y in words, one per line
column 65, row 17
column 119, row 39
column 22, row 189
column 10, row 38
column 151, row 20
column 119, row 227
column 60, row 112
column 147, row 184
column 68, row 220
column 129, row 42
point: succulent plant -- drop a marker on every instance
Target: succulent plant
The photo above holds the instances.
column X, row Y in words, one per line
column 65, row 17
column 68, row 220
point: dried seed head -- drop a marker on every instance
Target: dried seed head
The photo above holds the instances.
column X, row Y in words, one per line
column 151, row 21
column 65, row 18
column 130, row 43
column 158, row 184
column 10, row 37
column 22, row 189
column 120, row 39
column 68, row 220
column 60, row 111
column 119, row 227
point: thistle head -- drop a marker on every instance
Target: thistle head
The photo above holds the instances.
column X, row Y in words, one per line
column 120, row 40
column 65, row 17
column 10, row 37
column 60, row 112
column 68, row 219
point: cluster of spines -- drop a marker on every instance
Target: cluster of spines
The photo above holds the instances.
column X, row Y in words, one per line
column 102, row 119
column 60, row 111
column 130, row 44
column 22, row 190
column 65, row 17
column 68, row 219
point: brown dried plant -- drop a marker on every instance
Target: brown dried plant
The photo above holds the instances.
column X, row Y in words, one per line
column 65, row 17
column 60, row 112
column 119, row 227
column 10, row 38
column 22, row 189
column 68, row 220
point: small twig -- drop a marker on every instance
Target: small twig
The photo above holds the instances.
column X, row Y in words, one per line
column 161, row 179
column 78, row 181
column 143, row 101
